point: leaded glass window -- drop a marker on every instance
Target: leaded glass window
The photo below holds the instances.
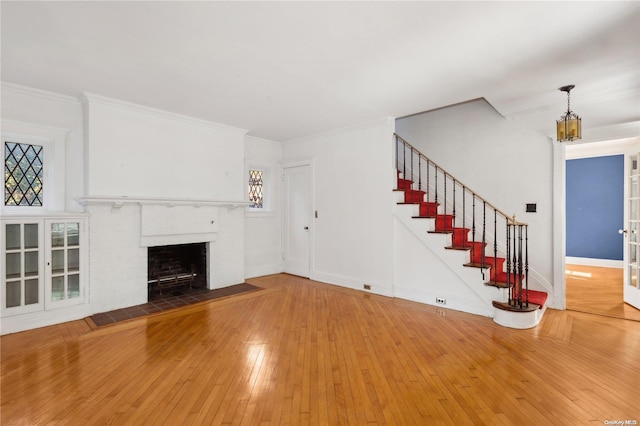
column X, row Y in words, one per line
column 256, row 185
column 23, row 174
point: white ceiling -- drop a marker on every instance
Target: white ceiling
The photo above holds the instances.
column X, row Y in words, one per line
column 285, row 70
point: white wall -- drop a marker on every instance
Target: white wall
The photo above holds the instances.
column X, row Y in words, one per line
column 352, row 238
column 263, row 231
column 135, row 151
column 117, row 261
column 32, row 112
column 422, row 274
column 507, row 165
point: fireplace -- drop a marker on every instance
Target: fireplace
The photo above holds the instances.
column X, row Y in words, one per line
column 176, row 268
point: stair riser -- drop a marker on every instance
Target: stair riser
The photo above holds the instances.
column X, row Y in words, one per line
column 503, row 277
column 404, row 184
column 428, row 209
column 479, row 255
column 460, row 237
column 444, row 222
column 411, row 196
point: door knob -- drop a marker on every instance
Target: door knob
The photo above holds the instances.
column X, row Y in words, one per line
column 622, row 231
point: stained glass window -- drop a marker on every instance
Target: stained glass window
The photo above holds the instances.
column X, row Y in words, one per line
column 255, row 189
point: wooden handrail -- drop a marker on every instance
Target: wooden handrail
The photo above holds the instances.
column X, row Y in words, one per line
column 511, row 218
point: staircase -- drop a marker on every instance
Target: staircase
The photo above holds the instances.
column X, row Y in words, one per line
column 445, row 213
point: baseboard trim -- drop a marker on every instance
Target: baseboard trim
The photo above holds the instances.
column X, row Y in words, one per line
column 262, row 270
column 603, row 263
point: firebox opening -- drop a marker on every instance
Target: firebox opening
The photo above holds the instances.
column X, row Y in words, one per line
column 176, row 268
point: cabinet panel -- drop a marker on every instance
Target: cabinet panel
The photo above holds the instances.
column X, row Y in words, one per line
column 21, row 260
column 65, row 263
column 43, row 264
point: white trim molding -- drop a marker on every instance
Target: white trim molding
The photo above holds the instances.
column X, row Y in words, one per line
column 25, row 90
column 603, row 263
column 119, row 201
column 116, row 103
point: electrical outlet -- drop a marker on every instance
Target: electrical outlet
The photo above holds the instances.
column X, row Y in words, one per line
column 367, row 287
column 441, row 300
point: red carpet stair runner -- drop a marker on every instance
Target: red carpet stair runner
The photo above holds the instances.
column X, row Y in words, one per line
column 444, row 223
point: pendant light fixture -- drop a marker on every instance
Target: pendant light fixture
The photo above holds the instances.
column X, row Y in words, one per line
column 569, row 127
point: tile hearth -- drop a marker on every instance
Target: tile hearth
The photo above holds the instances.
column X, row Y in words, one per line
column 169, row 301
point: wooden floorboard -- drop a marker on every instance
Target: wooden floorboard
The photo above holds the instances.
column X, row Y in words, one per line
column 597, row 290
column 303, row 352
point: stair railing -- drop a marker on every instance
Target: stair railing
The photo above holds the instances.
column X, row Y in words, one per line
column 443, row 189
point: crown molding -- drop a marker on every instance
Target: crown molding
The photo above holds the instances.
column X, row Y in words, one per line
column 89, row 98
column 263, row 140
column 385, row 121
column 30, row 91
column 26, row 128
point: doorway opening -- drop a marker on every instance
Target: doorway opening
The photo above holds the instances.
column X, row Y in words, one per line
column 595, row 243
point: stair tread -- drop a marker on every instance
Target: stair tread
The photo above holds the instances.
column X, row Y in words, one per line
column 468, row 245
column 479, row 265
column 515, row 308
column 537, row 297
column 458, row 248
column 498, row 284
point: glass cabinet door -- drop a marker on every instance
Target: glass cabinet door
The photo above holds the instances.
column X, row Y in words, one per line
column 21, row 283
column 63, row 263
column 41, row 264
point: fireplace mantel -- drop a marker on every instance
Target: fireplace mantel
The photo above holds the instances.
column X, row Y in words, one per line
column 117, row 202
column 168, row 221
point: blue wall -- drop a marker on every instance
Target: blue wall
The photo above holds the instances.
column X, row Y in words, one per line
column 595, row 207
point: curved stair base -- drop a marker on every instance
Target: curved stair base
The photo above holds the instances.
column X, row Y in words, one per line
column 518, row 319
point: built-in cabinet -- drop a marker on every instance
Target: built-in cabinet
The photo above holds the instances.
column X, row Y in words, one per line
column 44, row 260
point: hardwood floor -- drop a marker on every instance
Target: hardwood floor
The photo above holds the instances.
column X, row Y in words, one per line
column 597, row 290
column 302, row 352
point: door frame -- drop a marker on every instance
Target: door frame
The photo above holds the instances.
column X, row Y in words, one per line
column 312, row 208
column 630, row 296
column 621, row 146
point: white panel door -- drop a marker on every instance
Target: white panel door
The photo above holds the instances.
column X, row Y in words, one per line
column 297, row 219
column 631, row 264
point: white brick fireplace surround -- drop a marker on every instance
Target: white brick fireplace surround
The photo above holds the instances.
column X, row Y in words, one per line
column 122, row 229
